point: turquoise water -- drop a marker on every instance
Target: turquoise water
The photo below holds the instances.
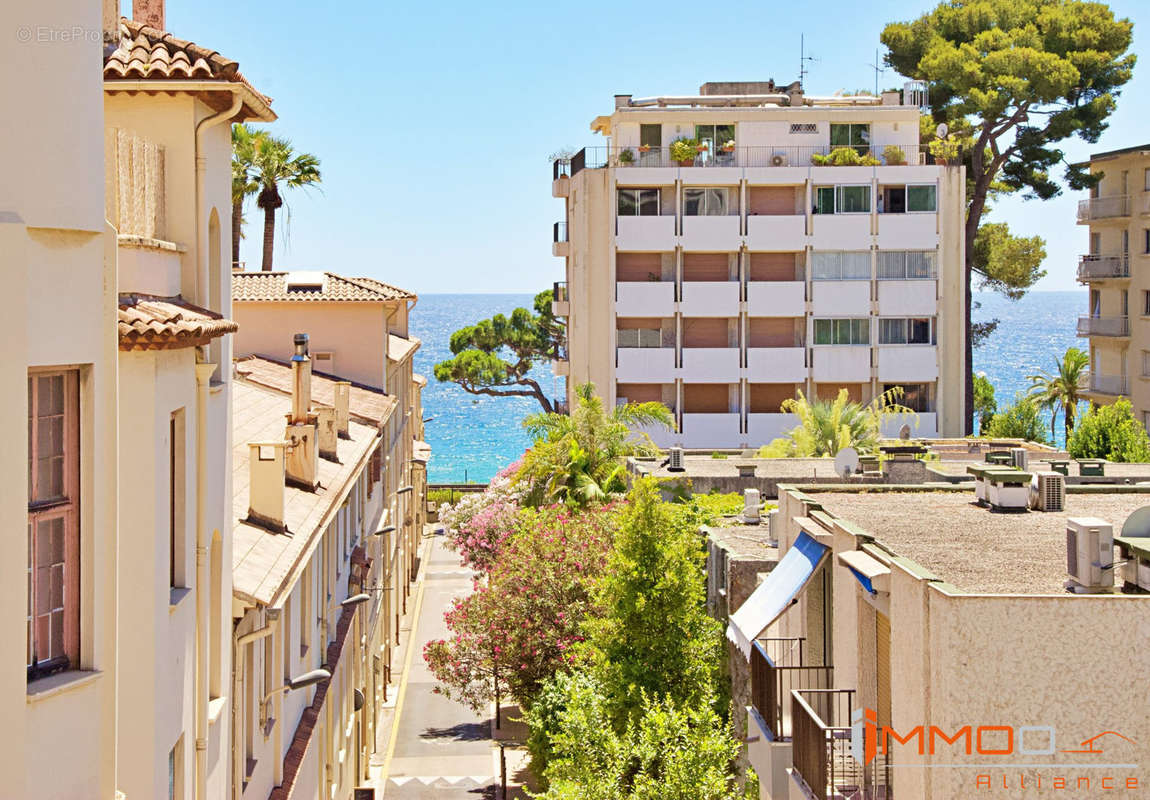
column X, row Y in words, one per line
column 472, row 437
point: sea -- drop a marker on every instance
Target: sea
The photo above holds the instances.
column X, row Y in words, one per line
column 472, row 436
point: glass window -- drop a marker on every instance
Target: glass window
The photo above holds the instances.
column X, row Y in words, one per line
column 638, row 202
column 842, row 331
column 1145, row 303
column 710, row 201
column 824, row 199
column 920, row 198
column 628, row 203
column 834, row 265
column 892, row 331
column 852, row 134
column 916, row 330
column 894, row 265
column 915, row 396
column 852, row 199
column 823, row 328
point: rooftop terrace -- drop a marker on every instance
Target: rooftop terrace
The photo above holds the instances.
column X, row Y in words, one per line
column 971, row 547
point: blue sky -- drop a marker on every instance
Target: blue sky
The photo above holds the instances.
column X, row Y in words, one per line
column 434, row 120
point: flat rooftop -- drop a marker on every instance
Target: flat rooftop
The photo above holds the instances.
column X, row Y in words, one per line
column 970, row 547
column 708, row 467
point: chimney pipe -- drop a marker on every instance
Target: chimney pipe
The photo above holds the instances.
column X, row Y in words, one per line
column 328, row 438
column 301, row 428
column 301, row 380
column 266, row 489
column 149, row 12
column 342, row 401
column 110, row 24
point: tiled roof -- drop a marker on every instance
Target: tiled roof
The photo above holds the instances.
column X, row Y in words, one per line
column 400, row 349
column 367, row 405
column 273, row 286
column 145, row 53
column 166, row 323
column 265, row 565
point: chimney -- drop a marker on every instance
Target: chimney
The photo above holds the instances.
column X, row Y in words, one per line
column 342, row 391
column 622, row 100
column 301, row 428
column 110, row 24
column 266, row 489
column 149, row 12
column 327, row 435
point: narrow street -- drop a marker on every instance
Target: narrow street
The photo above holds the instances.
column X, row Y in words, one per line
column 437, row 749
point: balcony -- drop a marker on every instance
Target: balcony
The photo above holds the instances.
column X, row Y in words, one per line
column 776, row 299
column 821, row 749
column 711, row 431
column 910, row 298
column 629, row 156
column 776, row 231
column 845, row 298
column 1111, row 385
column 559, row 244
column 777, row 668
column 1096, row 268
column 711, row 364
column 907, row 363
column 912, row 231
column 710, row 299
column 645, row 233
column 1100, row 208
column 1103, row 326
column 561, row 177
column 765, row 428
column 711, row 233
column 645, row 299
column 560, row 301
column 840, row 364
column 776, row 364
column 645, row 364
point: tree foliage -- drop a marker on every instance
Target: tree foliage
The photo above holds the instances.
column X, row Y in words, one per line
column 1018, row 421
column 1013, row 79
column 1061, row 389
column 984, row 403
column 495, row 356
column 1110, row 432
column 276, row 166
column 245, row 141
column 578, row 458
column 827, row 426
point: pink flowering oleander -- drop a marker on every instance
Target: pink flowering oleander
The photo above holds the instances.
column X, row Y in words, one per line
column 480, row 523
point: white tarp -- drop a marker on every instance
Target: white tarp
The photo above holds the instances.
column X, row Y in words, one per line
column 774, row 595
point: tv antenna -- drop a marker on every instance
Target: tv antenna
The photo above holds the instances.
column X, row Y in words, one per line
column 803, row 59
column 878, row 70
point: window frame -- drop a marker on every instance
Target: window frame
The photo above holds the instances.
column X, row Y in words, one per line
column 638, row 193
column 933, row 195
column 862, row 127
column 885, row 258
column 851, row 325
column 906, row 324
column 706, row 192
column 64, row 507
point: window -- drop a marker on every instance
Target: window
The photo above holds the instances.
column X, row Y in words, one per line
column 305, row 620
column 1146, row 180
column 714, row 137
column 915, row 396
column 1095, row 303
column 651, row 135
column 176, row 770
column 640, row 337
column 914, row 330
column 804, row 127
column 1145, row 303
column 638, row 202
column 1146, row 363
column 1146, row 240
column 840, row 265
column 1125, row 303
column 897, row 265
column 712, row 201
column 323, row 361
column 842, row 199
column 921, row 197
column 852, row 134
column 53, row 619
column 842, row 331
column 177, row 498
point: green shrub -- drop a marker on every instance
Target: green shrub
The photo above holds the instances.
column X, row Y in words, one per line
column 844, row 157
column 1019, row 421
column 684, row 149
column 718, row 455
column 1110, row 432
column 893, row 155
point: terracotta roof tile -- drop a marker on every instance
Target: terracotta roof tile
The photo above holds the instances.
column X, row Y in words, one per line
column 146, row 53
column 274, row 286
column 147, row 322
column 367, row 405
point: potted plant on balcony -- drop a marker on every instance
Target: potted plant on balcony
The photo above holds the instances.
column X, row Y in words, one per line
column 943, row 150
column 729, row 147
column 644, row 148
column 683, row 151
column 843, row 157
column 627, row 157
column 893, row 155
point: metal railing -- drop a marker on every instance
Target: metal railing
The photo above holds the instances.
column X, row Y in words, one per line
column 752, row 157
column 560, row 168
column 821, row 748
column 1108, row 384
column 772, row 682
column 1094, row 267
column 559, row 292
column 560, row 232
column 1103, row 207
column 1103, row 326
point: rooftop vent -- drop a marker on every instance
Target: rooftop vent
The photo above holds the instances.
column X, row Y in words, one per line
column 301, row 428
column 266, row 485
column 1089, row 555
column 305, row 281
column 342, row 401
column 327, row 438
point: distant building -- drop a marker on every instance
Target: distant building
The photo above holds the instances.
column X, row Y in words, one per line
column 1116, row 323
column 726, row 279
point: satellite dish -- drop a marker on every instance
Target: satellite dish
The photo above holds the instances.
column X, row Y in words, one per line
column 942, row 130
column 846, row 462
column 1137, row 525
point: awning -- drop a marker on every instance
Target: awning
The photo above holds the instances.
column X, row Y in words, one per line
column 772, row 597
column 868, row 571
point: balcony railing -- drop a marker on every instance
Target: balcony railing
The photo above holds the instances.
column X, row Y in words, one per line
column 1095, row 267
column 560, row 168
column 1103, row 326
column 1103, row 207
column 773, row 679
column 757, row 156
column 559, row 292
column 560, row 232
column 1108, row 384
column 821, row 748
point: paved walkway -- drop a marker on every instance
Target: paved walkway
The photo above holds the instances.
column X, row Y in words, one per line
column 437, row 749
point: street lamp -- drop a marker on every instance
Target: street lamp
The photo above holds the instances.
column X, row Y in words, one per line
column 383, row 531
column 355, row 600
column 404, row 489
column 298, row 682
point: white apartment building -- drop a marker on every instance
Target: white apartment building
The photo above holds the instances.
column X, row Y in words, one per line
column 726, row 281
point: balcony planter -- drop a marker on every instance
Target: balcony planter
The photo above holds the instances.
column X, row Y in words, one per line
column 644, row 148
column 626, row 157
column 893, row 155
column 683, row 152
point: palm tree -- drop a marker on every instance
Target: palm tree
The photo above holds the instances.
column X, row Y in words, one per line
column 245, row 140
column 578, row 458
column 827, row 426
column 1061, row 389
column 276, row 165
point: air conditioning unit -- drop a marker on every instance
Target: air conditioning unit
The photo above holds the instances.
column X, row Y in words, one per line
column 1048, row 491
column 779, row 160
column 676, row 460
column 1018, row 457
column 1089, row 555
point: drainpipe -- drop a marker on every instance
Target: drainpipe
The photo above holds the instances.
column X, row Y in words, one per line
column 272, row 615
column 201, row 127
column 204, row 373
